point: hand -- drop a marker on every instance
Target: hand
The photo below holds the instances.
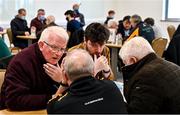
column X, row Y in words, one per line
column 26, row 33
column 55, row 72
column 100, row 64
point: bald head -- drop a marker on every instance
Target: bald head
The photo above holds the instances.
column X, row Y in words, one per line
column 78, row 63
column 136, row 48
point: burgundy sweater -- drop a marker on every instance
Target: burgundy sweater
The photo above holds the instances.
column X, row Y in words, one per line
column 26, row 85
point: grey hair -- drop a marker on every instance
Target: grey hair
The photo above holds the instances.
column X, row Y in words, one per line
column 136, row 47
column 50, row 19
column 78, row 63
column 111, row 23
column 56, row 30
column 137, row 19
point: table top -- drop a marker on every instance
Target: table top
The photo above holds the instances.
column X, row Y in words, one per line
column 38, row 112
column 113, row 45
column 26, row 37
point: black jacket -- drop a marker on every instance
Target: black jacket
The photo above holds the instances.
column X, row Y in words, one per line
column 145, row 31
column 89, row 95
column 18, row 27
column 152, row 85
column 173, row 51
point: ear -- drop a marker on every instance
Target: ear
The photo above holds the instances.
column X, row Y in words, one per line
column 133, row 60
column 41, row 45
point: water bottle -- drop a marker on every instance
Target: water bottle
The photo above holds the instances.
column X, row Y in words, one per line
column 118, row 39
column 33, row 31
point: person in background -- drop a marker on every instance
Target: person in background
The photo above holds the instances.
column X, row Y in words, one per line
column 19, row 27
column 29, row 80
column 38, row 22
column 96, row 35
column 124, row 27
column 72, row 26
column 112, row 26
column 141, row 29
column 85, row 94
column 151, row 84
column 173, row 51
column 177, row 32
column 78, row 16
column 50, row 21
column 110, row 16
column 157, row 31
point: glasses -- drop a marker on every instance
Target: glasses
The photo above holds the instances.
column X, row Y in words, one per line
column 55, row 48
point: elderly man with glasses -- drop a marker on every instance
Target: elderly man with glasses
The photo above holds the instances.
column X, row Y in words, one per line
column 29, row 81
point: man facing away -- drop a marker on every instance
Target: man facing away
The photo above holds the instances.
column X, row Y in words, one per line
column 151, row 84
column 27, row 84
column 85, row 94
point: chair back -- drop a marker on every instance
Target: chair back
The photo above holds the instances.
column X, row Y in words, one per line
column 10, row 36
column 159, row 45
column 2, row 74
column 171, row 29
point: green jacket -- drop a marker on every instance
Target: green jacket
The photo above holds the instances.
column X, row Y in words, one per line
column 4, row 50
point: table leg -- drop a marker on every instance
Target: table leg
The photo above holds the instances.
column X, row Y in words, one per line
column 29, row 42
column 114, row 60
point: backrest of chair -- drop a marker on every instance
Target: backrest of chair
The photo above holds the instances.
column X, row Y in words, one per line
column 171, row 29
column 10, row 36
column 2, row 74
column 159, row 46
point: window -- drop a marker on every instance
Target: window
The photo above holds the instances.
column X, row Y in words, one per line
column 171, row 10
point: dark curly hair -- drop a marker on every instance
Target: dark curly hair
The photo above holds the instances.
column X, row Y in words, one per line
column 97, row 33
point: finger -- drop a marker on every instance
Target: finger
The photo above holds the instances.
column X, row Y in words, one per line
column 49, row 69
column 48, row 72
column 51, row 66
column 58, row 65
column 95, row 57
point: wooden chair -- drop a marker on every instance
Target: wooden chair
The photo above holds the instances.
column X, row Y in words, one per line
column 171, row 29
column 10, row 36
column 2, row 74
column 159, row 45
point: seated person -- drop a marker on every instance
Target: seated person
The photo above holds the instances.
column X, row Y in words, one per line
column 124, row 27
column 5, row 55
column 173, row 51
column 141, row 29
column 112, row 26
column 177, row 32
column 4, row 49
column 157, row 30
column 27, row 84
column 85, row 93
column 151, row 84
column 19, row 27
column 50, row 21
column 96, row 35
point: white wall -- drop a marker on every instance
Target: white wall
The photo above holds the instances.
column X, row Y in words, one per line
column 93, row 10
